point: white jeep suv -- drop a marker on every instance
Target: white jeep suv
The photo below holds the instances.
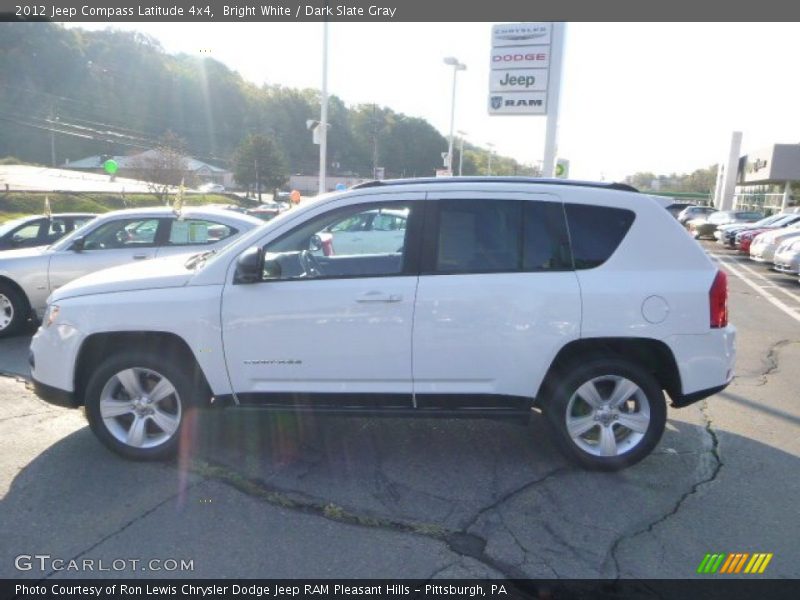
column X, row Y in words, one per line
column 586, row 301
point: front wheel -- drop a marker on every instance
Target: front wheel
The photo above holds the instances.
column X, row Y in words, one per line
column 607, row 414
column 13, row 310
column 137, row 404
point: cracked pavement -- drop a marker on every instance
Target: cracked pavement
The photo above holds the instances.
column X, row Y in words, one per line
column 281, row 496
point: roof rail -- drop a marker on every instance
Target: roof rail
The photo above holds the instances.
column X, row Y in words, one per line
column 624, row 187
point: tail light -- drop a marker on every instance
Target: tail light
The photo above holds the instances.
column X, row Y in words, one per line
column 718, row 300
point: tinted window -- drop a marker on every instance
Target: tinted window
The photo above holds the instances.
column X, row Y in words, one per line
column 595, row 232
column 546, row 244
column 479, row 236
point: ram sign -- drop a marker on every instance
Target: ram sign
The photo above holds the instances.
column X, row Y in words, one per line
column 519, row 69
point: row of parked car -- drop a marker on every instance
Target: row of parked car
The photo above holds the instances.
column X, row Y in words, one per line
column 40, row 253
column 773, row 239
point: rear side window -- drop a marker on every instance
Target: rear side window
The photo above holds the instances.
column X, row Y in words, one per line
column 501, row 236
column 546, row 244
column 596, row 232
column 478, row 236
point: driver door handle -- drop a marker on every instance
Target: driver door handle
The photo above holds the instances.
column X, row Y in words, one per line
column 139, row 256
column 378, row 297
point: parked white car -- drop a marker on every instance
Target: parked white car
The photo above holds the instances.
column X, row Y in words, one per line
column 764, row 245
column 506, row 295
column 787, row 257
column 378, row 232
column 211, row 188
column 121, row 237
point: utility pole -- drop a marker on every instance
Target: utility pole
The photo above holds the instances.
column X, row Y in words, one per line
column 258, row 180
column 323, row 119
column 374, row 141
column 52, row 135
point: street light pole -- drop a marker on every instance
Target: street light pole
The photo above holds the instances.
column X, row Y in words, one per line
column 457, row 66
column 491, row 151
column 323, row 119
column 461, row 135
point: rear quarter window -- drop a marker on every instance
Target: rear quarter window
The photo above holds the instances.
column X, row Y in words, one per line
column 596, row 232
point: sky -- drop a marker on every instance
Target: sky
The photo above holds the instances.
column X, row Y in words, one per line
column 660, row 97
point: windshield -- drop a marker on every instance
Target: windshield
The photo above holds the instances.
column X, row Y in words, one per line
column 13, row 224
column 66, row 241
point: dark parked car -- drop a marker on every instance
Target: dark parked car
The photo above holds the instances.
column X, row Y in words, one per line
column 705, row 227
column 39, row 230
column 676, row 208
column 694, row 212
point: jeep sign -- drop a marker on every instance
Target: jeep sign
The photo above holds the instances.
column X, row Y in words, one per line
column 523, row 80
column 519, row 69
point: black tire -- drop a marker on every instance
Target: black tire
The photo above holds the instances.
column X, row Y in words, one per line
column 185, row 398
column 602, row 372
column 16, row 308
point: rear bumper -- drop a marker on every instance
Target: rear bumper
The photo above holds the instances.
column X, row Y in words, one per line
column 54, row 395
column 705, row 363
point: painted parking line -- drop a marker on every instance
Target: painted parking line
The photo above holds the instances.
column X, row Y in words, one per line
column 735, row 270
column 770, row 283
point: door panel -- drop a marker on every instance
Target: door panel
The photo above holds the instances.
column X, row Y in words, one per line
column 320, row 324
column 110, row 244
column 493, row 307
column 334, row 335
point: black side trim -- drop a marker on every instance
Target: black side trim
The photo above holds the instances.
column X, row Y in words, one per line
column 687, row 399
column 491, row 402
column 54, row 395
column 476, row 406
column 325, row 400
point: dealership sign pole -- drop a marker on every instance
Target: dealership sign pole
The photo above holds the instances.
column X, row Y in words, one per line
column 525, row 76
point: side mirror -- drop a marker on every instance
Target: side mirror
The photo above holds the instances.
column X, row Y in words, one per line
column 77, row 244
column 315, row 243
column 249, row 266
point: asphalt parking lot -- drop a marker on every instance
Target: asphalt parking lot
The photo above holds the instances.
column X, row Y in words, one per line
column 256, row 495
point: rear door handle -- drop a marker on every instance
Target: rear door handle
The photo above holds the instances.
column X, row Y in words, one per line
column 140, row 256
column 378, row 297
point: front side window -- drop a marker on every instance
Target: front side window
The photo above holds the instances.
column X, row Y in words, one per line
column 343, row 243
column 123, row 233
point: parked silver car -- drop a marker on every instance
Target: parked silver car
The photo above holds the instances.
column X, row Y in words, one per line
column 40, row 230
column 28, row 276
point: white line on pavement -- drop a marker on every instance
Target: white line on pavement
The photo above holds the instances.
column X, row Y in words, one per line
column 795, row 314
column 770, row 282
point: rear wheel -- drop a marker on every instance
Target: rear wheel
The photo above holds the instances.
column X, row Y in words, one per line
column 13, row 310
column 607, row 414
column 137, row 404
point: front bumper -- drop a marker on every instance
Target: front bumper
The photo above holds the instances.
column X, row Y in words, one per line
column 53, row 356
column 688, row 399
column 54, row 395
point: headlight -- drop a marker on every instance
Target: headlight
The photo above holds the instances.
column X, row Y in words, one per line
column 51, row 315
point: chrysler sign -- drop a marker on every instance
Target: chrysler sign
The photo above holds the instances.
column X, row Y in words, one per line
column 519, row 69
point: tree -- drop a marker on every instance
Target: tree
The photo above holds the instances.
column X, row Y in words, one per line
column 164, row 167
column 260, row 162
